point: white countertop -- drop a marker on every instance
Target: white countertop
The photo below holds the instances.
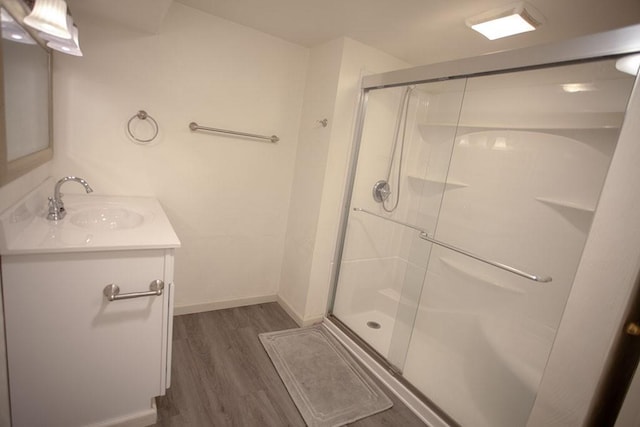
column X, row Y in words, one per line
column 123, row 223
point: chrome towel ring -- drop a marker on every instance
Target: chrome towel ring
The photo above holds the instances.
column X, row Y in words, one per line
column 142, row 115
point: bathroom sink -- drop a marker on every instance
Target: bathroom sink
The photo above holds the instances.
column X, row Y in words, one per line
column 92, row 223
column 106, row 217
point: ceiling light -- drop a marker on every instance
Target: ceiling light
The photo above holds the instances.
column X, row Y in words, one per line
column 50, row 17
column 629, row 64
column 508, row 20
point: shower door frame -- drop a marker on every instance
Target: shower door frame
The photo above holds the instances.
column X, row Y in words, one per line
column 624, row 41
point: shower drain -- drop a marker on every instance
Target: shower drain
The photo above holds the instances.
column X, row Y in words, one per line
column 373, row 325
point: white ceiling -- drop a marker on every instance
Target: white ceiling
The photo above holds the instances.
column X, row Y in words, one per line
column 417, row 31
column 145, row 15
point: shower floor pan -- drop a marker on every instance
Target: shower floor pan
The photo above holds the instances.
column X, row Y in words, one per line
column 378, row 338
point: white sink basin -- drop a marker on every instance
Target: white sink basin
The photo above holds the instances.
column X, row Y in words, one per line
column 92, row 223
column 106, row 217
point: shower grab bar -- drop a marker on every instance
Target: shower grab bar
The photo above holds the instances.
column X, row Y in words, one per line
column 425, row 236
column 194, row 127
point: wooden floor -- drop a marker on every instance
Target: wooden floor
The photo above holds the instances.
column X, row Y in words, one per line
column 221, row 375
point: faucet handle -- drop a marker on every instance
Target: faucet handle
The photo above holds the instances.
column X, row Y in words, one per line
column 55, row 202
column 56, row 209
column 52, row 215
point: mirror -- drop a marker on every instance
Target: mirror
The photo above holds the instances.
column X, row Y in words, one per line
column 25, row 122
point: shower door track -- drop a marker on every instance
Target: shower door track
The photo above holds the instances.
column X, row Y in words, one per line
column 424, row 235
column 621, row 41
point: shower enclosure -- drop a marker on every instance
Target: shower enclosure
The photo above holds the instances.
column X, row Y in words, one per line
column 493, row 180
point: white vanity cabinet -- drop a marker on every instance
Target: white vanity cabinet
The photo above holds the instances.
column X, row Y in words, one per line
column 78, row 357
column 75, row 358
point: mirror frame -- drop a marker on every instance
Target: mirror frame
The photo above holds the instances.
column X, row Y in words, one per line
column 10, row 170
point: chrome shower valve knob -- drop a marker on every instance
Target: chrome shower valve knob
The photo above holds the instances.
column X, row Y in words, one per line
column 381, row 191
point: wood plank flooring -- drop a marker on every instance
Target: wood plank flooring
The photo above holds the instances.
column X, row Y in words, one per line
column 221, row 375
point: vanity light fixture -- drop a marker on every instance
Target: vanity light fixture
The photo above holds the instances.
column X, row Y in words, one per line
column 69, row 46
column 55, row 25
column 12, row 31
column 50, row 17
column 514, row 18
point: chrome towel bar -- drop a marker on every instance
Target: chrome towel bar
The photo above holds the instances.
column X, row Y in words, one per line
column 425, row 236
column 194, row 127
column 112, row 292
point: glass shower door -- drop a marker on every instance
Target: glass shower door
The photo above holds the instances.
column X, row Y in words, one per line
column 407, row 140
column 531, row 153
column 507, row 168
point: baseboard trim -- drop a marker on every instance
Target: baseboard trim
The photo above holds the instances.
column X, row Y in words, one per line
column 295, row 316
column 139, row 419
column 241, row 302
column 219, row 305
column 290, row 311
column 418, row 407
column 312, row 320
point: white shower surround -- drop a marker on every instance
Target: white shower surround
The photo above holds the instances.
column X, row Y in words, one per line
column 503, row 344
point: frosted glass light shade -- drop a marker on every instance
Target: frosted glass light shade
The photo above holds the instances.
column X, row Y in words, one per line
column 69, row 46
column 12, row 31
column 50, row 17
column 507, row 21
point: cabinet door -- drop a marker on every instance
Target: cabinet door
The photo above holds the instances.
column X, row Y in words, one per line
column 74, row 357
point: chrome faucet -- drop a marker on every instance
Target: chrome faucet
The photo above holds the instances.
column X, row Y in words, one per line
column 56, row 206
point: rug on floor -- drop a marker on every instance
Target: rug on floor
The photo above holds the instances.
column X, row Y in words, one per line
column 325, row 382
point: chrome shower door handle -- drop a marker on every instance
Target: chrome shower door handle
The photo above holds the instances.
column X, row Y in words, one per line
column 535, row 277
column 112, row 292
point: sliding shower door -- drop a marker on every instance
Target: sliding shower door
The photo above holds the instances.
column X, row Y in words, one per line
column 462, row 286
column 407, row 141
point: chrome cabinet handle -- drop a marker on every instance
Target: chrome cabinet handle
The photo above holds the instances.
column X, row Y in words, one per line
column 112, row 292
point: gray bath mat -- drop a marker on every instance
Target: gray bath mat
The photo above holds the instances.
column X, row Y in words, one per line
column 324, row 381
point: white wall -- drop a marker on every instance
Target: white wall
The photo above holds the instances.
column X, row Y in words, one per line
column 226, row 197
column 308, row 180
column 18, row 188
